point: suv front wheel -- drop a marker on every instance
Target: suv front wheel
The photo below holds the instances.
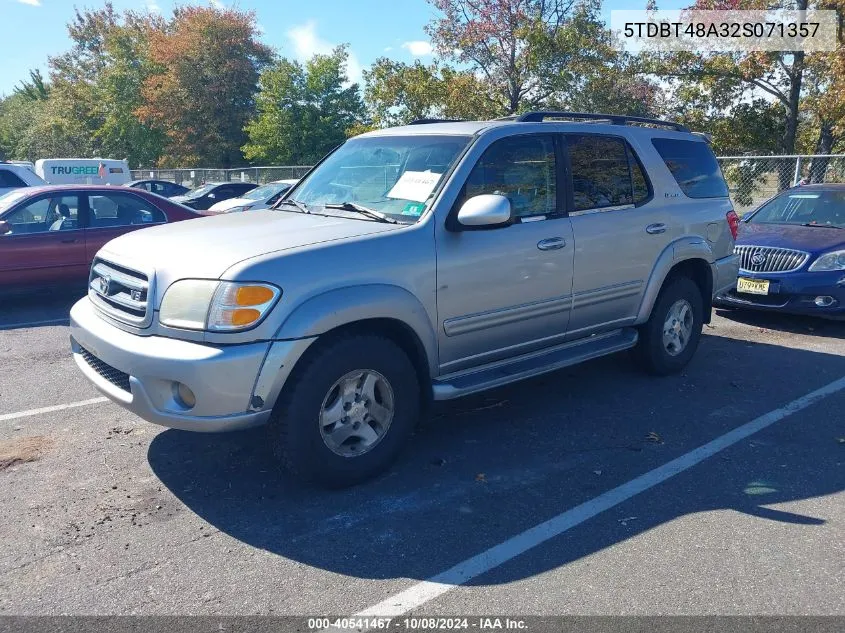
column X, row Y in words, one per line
column 670, row 337
column 346, row 411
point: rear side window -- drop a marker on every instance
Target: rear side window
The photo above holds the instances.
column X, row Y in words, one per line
column 605, row 172
column 694, row 167
column 8, row 179
column 119, row 209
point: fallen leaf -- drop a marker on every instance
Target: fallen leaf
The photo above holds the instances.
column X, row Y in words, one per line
column 840, row 440
column 597, row 472
column 626, row 519
column 654, row 437
column 481, row 477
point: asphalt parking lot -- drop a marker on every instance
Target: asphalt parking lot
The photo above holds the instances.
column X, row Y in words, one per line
column 103, row 513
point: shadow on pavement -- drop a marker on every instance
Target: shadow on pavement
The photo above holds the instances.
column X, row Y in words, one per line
column 36, row 309
column 483, row 469
column 794, row 324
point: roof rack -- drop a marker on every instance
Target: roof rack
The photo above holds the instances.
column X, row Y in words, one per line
column 426, row 121
column 615, row 119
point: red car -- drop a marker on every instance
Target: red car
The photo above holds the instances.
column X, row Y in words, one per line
column 49, row 235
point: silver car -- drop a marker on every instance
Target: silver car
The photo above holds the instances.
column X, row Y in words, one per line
column 417, row 263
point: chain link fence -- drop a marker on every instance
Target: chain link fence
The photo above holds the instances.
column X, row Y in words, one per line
column 754, row 179
column 751, row 179
column 195, row 177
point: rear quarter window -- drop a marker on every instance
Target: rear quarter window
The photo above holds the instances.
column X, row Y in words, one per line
column 693, row 166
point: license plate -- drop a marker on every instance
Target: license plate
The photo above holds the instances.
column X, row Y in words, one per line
column 752, row 286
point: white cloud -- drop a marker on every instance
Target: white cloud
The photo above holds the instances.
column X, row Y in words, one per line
column 152, row 6
column 217, row 4
column 418, row 48
column 306, row 44
column 32, row 3
column 387, row 49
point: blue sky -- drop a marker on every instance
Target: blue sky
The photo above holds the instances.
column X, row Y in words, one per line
column 34, row 29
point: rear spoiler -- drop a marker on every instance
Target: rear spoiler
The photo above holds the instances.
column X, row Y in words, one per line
column 706, row 136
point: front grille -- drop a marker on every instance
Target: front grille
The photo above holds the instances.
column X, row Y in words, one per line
column 114, row 376
column 120, row 292
column 769, row 259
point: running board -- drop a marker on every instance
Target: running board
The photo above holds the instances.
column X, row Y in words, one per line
column 504, row 372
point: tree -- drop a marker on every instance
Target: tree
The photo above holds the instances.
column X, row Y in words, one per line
column 397, row 93
column 303, row 111
column 526, row 51
column 201, row 92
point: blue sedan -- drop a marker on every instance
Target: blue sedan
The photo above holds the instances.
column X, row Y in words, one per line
column 792, row 254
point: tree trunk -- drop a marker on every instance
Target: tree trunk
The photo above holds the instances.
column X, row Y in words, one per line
column 824, row 145
column 796, row 75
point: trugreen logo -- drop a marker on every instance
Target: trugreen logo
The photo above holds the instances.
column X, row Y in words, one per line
column 75, row 171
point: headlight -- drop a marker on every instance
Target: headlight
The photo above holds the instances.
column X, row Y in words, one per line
column 834, row 260
column 218, row 306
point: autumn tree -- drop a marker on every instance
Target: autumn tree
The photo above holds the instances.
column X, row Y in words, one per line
column 528, row 52
column 201, row 92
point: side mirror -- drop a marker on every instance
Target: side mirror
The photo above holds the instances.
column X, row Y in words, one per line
column 485, row 211
column 5, row 227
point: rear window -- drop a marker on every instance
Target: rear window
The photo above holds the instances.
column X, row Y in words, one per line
column 694, row 167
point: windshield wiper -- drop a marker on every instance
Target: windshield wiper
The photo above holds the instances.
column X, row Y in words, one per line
column 292, row 203
column 824, row 226
column 357, row 208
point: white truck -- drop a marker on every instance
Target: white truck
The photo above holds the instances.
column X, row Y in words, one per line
column 83, row 171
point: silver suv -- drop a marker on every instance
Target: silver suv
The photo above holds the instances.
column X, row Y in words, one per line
column 417, row 263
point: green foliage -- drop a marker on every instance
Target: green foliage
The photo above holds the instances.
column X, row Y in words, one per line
column 303, row 111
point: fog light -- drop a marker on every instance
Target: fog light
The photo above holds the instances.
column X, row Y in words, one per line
column 184, row 396
column 824, row 301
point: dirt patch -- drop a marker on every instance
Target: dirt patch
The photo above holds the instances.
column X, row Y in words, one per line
column 22, row 450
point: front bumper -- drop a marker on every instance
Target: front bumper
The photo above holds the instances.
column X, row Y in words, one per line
column 235, row 385
column 791, row 293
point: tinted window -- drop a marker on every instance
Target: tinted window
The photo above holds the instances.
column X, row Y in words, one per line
column 8, row 179
column 638, row 179
column 694, row 167
column 600, row 175
column 521, row 168
column 118, row 209
column 59, row 213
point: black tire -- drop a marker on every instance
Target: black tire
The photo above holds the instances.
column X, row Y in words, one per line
column 650, row 351
column 294, row 428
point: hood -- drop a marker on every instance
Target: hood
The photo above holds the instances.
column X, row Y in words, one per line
column 231, row 203
column 207, row 247
column 805, row 238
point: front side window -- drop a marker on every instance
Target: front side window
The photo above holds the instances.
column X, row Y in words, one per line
column 57, row 213
column 693, row 166
column 393, row 175
column 521, row 168
column 119, row 209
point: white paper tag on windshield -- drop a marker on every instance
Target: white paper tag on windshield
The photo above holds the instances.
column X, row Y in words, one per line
column 414, row 185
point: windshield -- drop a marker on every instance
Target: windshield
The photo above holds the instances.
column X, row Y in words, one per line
column 267, row 191
column 11, row 198
column 815, row 208
column 394, row 175
column 199, row 191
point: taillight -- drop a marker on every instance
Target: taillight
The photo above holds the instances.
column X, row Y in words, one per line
column 733, row 222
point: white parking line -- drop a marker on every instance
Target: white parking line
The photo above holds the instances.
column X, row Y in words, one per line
column 59, row 407
column 15, row 326
column 465, row 571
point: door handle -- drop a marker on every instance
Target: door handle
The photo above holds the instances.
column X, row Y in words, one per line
column 654, row 229
column 69, row 240
column 551, row 244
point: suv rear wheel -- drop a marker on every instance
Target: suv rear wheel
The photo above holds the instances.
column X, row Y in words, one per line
column 670, row 337
column 347, row 411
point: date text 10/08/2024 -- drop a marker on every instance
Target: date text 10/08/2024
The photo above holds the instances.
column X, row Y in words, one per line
column 480, row 623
